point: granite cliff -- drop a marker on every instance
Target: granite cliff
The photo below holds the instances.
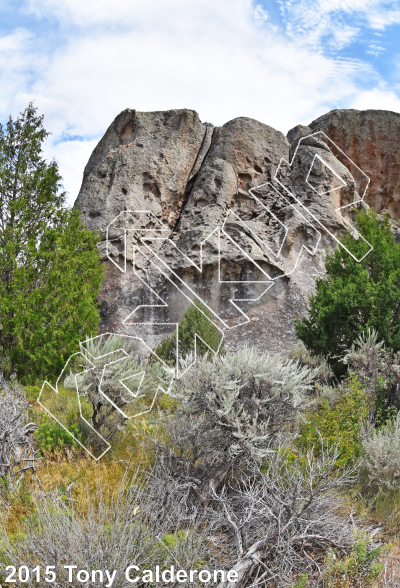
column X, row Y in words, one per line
column 240, row 216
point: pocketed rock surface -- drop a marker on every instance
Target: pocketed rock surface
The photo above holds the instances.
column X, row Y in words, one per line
column 239, row 215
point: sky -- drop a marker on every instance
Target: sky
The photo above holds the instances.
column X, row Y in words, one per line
column 283, row 62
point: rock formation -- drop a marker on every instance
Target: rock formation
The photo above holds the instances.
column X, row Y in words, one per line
column 239, row 216
column 371, row 138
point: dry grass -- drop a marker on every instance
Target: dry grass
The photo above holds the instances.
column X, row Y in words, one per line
column 71, row 473
column 380, row 507
column 65, row 473
column 390, row 576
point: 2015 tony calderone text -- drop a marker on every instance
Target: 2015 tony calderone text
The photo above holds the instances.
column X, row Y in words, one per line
column 132, row 574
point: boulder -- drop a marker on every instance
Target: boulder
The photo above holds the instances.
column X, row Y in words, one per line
column 371, row 138
column 239, row 216
column 144, row 160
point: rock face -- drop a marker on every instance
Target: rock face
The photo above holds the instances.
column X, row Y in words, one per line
column 371, row 138
column 239, row 216
column 144, row 160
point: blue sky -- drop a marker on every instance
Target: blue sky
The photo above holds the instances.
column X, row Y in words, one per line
column 283, row 62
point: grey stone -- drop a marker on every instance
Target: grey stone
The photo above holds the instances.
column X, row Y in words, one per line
column 144, row 160
column 261, row 208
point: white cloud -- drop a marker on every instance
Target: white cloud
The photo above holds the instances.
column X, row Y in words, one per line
column 260, row 14
column 382, row 19
column 350, row 5
column 240, row 71
column 165, row 14
column 71, row 156
column 212, row 56
column 314, row 21
column 377, row 99
column 16, row 60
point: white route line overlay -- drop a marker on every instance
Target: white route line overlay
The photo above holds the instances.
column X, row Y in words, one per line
column 258, row 239
column 84, row 353
column 221, row 230
column 352, row 230
column 270, row 280
column 132, row 214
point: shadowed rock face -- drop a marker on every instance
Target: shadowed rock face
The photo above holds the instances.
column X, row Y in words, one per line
column 237, row 215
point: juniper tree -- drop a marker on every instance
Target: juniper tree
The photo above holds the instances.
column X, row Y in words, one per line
column 196, row 329
column 356, row 295
column 50, row 269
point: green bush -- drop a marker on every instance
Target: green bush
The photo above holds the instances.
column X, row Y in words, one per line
column 358, row 568
column 197, row 323
column 302, row 582
column 356, row 295
column 340, row 422
column 32, row 393
column 52, row 436
column 377, row 370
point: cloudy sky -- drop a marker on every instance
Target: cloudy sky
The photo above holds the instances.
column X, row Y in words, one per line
column 283, row 62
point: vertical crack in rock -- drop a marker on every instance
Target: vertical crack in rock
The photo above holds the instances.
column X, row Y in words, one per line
column 204, row 149
column 192, row 176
